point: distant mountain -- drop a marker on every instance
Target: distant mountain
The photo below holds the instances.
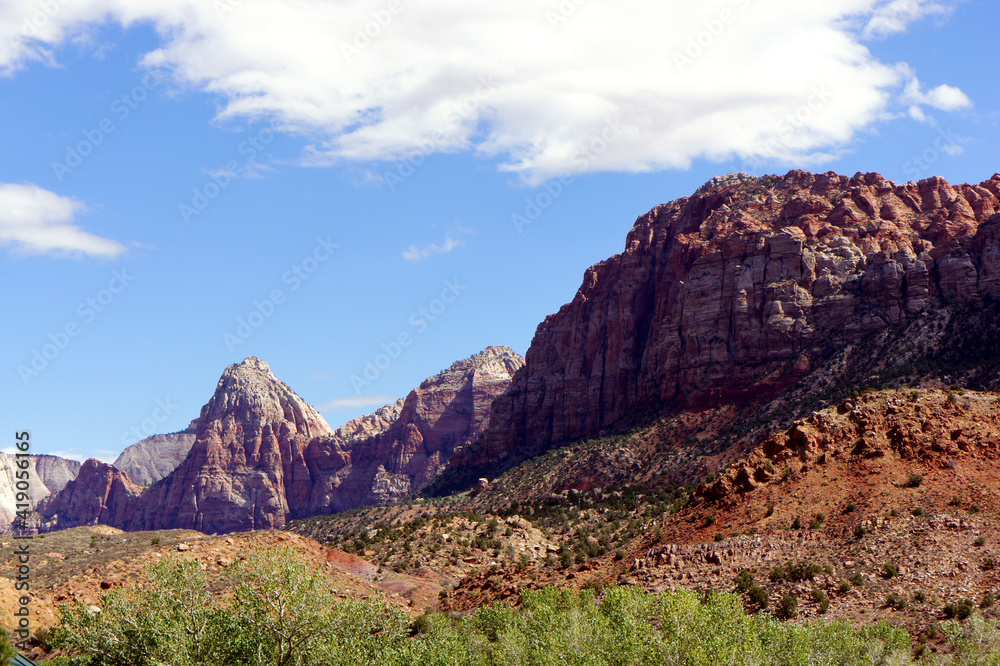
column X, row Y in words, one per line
column 149, row 460
column 262, row 456
column 48, row 474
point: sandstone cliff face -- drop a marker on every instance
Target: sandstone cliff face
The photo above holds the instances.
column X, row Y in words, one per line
column 733, row 294
column 151, row 459
column 101, row 493
column 48, row 474
column 413, row 439
column 262, row 456
column 246, row 469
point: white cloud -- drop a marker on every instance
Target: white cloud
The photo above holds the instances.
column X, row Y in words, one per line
column 37, row 221
column 630, row 85
column 415, row 253
column 356, row 401
column 893, row 16
column 943, row 97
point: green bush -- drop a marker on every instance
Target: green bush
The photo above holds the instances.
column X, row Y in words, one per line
column 787, row 606
column 281, row 613
column 890, row 570
column 857, row 580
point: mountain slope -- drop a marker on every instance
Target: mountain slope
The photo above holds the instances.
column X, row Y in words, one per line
column 262, row 456
column 150, row 459
column 48, row 474
column 748, row 288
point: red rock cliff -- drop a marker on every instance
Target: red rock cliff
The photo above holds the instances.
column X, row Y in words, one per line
column 734, row 293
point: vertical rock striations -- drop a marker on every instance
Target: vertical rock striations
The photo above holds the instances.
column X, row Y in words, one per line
column 733, row 294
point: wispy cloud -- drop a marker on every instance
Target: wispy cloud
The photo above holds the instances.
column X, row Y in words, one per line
column 416, row 253
column 37, row 221
column 356, row 401
column 894, row 16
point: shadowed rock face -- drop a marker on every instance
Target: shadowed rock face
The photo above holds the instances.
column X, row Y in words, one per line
column 262, row 456
column 101, row 493
column 47, row 474
column 733, row 294
column 393, row 453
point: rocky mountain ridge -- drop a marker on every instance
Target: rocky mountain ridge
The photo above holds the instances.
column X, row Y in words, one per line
column 262, row 456
column 48, row 474
column 728, row 298
column 151, row 459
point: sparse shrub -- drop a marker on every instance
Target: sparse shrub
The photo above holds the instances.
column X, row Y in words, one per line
column 954, row 501
column 709, row 520
column 980, row 540
column 895, row 601
column 719, row 536
column 758, row 595
column 919, row 596
column 857, row 580
column 797, row 524
column 988, row 563
column 777, row 573
column 770, row 512
column 987, row 601
column 787, row 606
column 844, row 587
column 974, row 508
column 155, row 541
column 817, row 595
column 914, row 480
column 917, row 511
column 961, row 610
column 814, row 524
column 890, row 570
column 820, row 517
column 894, row 513
column 850, row 508
column 824, row 606
column 744, row 580
column 859, row 532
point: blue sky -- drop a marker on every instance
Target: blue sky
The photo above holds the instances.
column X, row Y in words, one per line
column 345, row 176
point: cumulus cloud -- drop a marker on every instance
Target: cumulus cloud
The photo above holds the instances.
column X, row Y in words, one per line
column 416, row 253
column 37, row 221
column 356, row 402
column 545, row 87
column 943, row 97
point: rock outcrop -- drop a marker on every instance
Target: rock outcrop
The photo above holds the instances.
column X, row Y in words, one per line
column 47, row 475
column 411, row 441
column 734, row 294
column 246, row 469
column 100, row 494
column 262, row 456
column 153, row 458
